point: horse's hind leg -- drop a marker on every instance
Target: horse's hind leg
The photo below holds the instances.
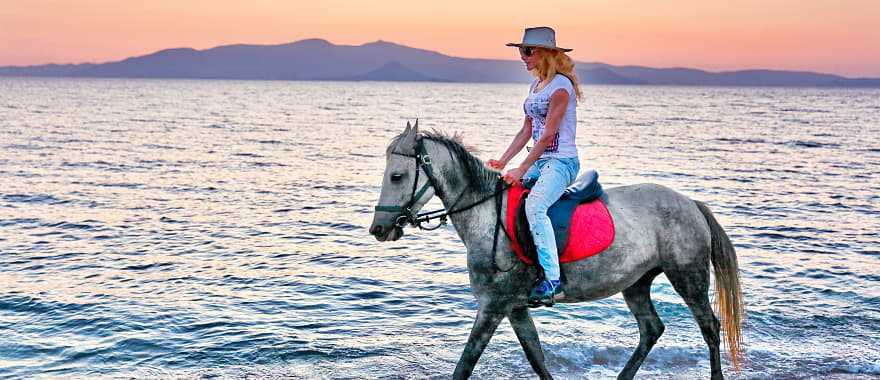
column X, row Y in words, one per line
column 693, row 286
column 638, row 298
column 528, row 337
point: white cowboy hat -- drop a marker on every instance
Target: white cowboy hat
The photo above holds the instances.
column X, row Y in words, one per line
column 541, row 36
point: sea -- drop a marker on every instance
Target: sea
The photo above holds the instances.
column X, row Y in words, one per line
column 208, row 229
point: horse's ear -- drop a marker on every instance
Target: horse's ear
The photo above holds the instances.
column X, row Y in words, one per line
column 416, row 130
column 409, row 137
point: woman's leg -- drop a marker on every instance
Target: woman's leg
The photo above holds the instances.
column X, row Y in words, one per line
column 555, row 176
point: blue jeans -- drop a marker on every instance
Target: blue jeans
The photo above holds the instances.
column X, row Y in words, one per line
column 553, row 175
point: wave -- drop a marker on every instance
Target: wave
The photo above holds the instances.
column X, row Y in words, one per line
column 35, row 198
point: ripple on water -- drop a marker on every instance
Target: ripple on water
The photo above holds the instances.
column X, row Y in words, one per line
column 34, row 198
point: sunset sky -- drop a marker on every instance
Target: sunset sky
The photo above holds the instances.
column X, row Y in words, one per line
column 841, row 37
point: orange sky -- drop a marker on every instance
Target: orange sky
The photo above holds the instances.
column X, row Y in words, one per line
column 840, row 37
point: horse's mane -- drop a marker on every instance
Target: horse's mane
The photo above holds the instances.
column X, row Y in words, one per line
column 483, row 178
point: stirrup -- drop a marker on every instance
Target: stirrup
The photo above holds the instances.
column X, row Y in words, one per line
column 548, row 301
column 548, row 298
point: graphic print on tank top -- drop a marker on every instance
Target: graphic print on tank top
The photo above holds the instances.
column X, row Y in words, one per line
column 536, row 108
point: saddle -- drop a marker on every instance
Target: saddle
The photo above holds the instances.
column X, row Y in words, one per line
column 581, row 222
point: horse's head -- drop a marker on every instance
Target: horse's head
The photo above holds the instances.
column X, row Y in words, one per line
column 405, row 186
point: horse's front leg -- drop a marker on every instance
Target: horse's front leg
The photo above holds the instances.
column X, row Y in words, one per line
column 528, row 337
column 484, row 327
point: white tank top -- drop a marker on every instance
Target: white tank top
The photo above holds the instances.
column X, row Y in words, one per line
column 536, row 106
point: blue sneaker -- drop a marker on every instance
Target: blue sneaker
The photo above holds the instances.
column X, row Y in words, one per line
column 546, row 292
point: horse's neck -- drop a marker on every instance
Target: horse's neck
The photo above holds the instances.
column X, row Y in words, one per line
column 458, row 190
column 475, row 226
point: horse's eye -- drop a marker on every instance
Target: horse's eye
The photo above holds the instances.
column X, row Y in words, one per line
column 396, row 177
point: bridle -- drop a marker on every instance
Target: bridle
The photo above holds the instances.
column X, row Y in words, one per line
column 423, row 162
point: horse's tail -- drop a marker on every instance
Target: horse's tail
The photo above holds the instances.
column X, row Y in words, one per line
column 728, row 293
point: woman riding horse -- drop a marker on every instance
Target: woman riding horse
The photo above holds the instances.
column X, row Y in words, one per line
column 551, row 121
column 656, row 230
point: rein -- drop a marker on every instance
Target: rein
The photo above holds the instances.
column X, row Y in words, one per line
column 423, row 161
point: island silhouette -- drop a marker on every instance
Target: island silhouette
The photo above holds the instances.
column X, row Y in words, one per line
column 318, row 59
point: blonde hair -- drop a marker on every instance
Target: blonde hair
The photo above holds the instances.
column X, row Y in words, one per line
column 552, row 62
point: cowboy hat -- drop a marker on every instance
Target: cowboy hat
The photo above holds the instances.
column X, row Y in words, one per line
column 541, row 36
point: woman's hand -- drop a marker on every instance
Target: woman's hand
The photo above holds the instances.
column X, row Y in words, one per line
column 496, row 164
column 513, row 175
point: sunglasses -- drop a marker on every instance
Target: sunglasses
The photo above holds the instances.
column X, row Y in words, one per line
column 526, row 51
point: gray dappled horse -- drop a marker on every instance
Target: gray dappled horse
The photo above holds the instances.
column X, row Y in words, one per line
column 657, row 231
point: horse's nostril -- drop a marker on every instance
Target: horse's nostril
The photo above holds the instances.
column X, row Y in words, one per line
column 376, row 230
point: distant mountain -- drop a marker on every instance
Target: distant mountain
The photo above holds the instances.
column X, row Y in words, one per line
column 393, row 71
column 318, row 59
column 50, row 70
column 684, row 76
column 605, row 75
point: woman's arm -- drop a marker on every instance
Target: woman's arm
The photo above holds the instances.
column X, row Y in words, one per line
column 558, row 104
column 519, row 141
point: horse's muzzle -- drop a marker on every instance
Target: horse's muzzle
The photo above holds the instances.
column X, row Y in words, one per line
column 386, row 234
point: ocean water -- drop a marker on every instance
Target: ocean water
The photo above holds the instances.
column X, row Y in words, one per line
column 218, row 229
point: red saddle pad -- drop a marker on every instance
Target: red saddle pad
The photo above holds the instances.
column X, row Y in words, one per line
column 591, row 231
